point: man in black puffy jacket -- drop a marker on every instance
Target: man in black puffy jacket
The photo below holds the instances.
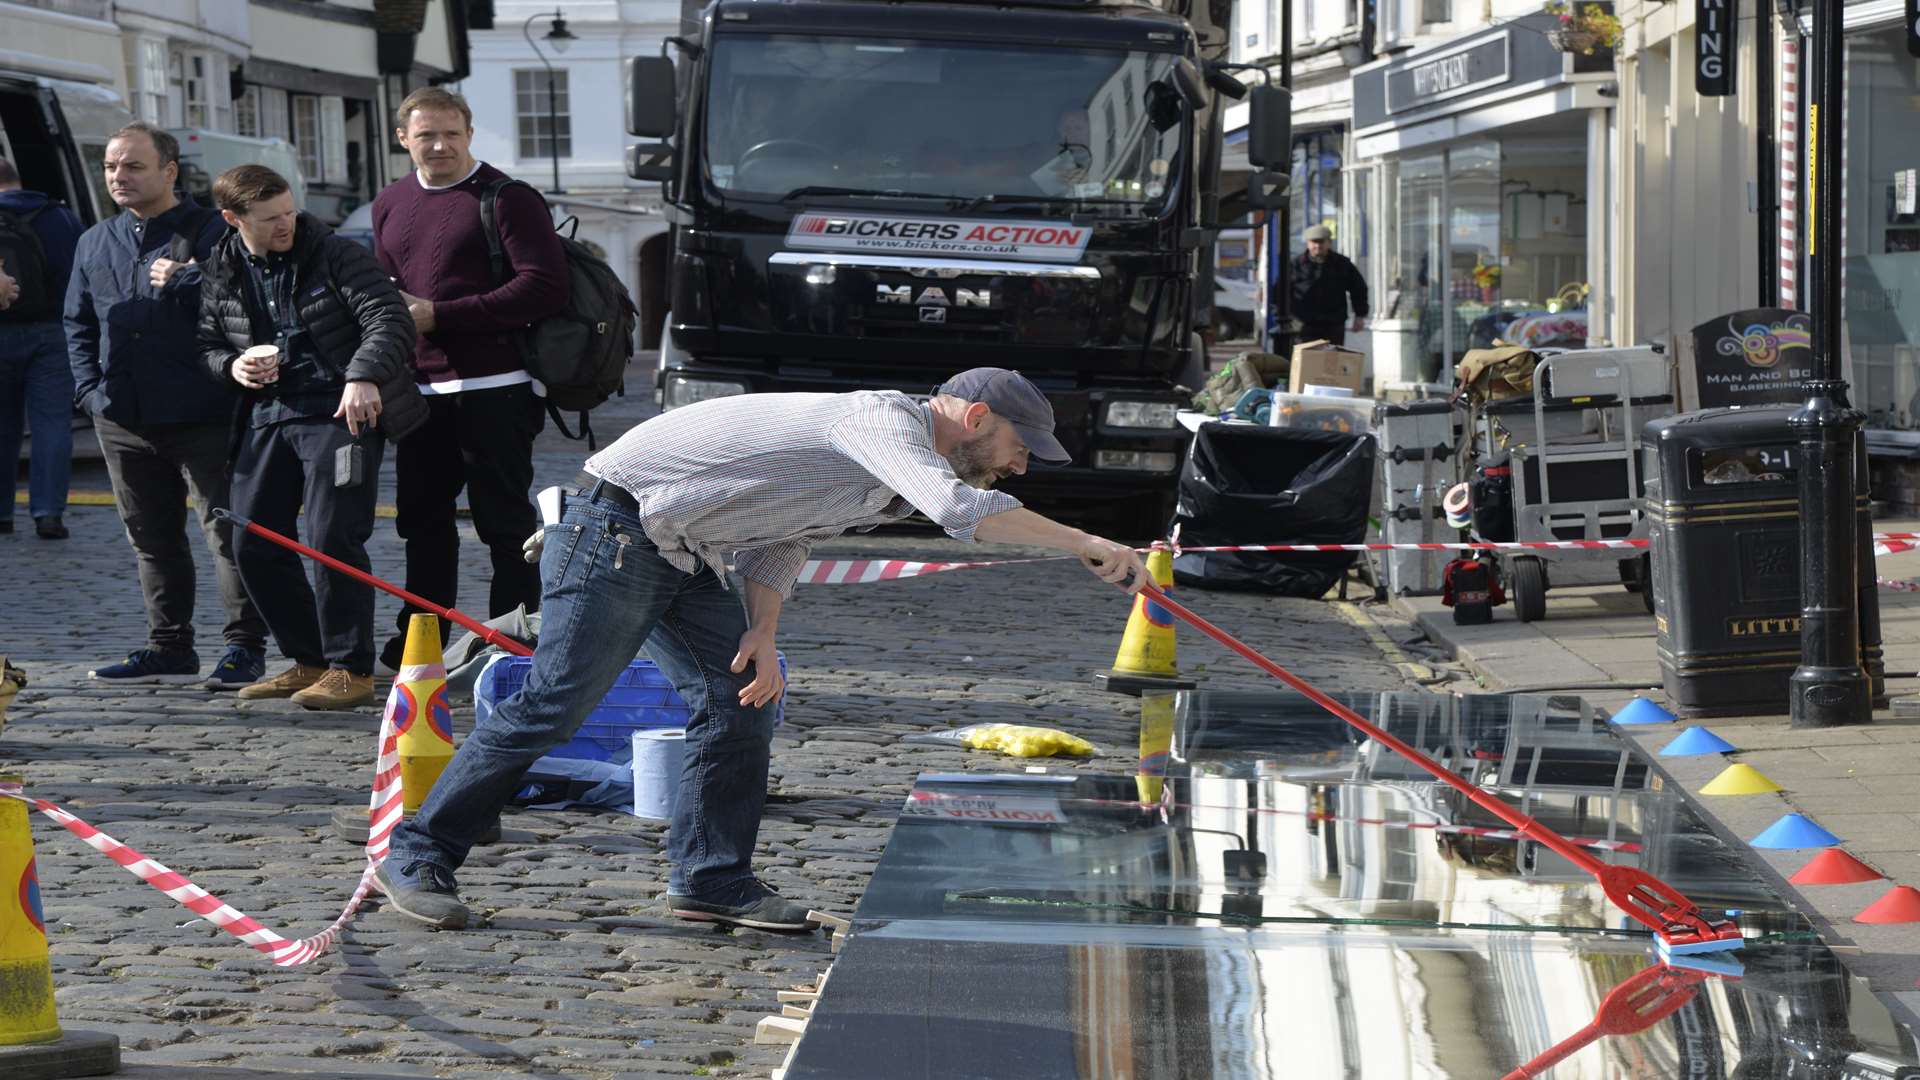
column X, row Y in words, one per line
column 340, row 383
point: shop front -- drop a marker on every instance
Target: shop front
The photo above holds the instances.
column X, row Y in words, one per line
column 1881, row 240
column 1487, row 161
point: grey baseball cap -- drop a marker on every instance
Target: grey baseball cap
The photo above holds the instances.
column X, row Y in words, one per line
column 1018, row 402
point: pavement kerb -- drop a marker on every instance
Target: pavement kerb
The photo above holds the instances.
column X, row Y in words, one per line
column 1509, row 655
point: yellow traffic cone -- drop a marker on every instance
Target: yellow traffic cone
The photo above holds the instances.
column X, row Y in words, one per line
column 422, row 723
column 31, row 1042
column 418, row 706
column 1146, row 657
column 1156, row 745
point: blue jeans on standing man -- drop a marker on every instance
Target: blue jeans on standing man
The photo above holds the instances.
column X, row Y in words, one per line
column 36, row 386
column 607, row 592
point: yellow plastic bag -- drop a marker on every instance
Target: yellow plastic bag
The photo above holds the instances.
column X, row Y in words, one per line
column 1021, row 740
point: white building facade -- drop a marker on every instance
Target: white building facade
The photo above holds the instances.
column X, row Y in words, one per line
column 519, row 131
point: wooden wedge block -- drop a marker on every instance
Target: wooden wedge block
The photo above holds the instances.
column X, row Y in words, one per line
column 839, row 936
column 796, row 995
column 778, row 1029
column 796, row 1012
column 833, row 921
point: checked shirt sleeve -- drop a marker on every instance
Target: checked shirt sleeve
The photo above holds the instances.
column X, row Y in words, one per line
column 894, row 445
column 776, row 567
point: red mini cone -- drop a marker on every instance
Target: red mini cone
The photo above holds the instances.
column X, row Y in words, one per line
column 1834, row 867
column 1901, row 904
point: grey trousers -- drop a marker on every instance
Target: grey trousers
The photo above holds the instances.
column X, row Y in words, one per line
column 154, row 470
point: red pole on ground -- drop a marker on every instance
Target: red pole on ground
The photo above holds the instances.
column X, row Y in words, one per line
column 487, row 633
column 1646, row 898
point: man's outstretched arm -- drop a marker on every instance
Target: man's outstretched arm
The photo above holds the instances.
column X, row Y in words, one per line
column 1110, row 562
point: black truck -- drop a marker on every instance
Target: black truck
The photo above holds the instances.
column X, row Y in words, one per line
column 869, row 194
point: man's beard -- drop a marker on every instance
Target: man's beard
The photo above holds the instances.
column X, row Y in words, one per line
column 971, row 461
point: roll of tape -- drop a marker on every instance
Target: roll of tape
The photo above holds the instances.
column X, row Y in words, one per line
column 657, row 755
column 1458, row 504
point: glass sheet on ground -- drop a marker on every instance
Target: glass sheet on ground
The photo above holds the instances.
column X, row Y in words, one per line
column 1257, row 809
column 1267, row 894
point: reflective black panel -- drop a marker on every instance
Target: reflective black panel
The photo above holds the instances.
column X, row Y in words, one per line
column 1272, row 894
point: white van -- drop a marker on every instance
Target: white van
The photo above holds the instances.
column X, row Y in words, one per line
column 204, row 155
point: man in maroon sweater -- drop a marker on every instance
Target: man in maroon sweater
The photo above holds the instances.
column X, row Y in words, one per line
column 486, row 408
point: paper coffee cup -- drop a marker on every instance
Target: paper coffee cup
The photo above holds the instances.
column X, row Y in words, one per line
column 271, row 355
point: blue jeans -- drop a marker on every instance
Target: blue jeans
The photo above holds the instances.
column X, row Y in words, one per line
column 36, row 386
column 606, row 592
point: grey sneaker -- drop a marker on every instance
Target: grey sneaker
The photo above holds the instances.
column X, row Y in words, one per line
column 761, row 909
column 423, row 891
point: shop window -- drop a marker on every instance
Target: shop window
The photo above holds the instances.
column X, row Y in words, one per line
column 1881, row 277
column 545, row 130
column 1436, row 11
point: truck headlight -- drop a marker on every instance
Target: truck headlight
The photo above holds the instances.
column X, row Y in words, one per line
column 1153, row 461
column 1142, row 414
column 683, row 390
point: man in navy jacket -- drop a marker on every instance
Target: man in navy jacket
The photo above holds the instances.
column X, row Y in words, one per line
column 36, row 386
column 165, row 427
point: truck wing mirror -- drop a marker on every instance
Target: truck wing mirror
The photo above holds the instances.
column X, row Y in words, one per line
column 1188, row 83
column 1270, row 128
column 1267, row 190
column 650, row 96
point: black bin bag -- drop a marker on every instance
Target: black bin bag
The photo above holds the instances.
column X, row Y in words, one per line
column 1245, row 484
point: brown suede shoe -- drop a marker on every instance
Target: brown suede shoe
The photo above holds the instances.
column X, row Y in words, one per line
column 286, row 684
column 337, row 689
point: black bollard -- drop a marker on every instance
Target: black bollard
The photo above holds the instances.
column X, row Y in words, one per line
column 1829, row 688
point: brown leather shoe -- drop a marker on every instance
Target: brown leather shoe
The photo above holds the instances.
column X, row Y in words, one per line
column 286, row 684
column 337, row 689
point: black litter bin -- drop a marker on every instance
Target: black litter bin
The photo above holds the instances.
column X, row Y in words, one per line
column 1724, row 516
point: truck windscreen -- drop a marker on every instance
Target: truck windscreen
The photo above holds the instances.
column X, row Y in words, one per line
column 792, row 114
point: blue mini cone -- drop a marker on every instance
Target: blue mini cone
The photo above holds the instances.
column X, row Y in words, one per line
column 1642, row 711
column 1696, row 740
column 1795, row 831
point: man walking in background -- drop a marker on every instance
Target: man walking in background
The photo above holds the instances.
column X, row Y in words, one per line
column 339, row 377
column 1323, row 281
column 37, row 238
column 164, row 426
column 484, row 408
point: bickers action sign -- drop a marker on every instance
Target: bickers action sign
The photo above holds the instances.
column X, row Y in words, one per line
column 1032, row 240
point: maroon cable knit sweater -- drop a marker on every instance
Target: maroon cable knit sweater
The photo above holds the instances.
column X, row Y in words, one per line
column 432, row 244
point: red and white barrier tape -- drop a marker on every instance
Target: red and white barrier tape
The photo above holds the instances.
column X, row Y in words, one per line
column 384, row 809
column 863, row 571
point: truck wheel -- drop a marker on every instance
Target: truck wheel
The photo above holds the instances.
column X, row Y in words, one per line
column 1529, row 586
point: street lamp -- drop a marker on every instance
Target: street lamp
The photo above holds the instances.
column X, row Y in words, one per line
column 559, row 37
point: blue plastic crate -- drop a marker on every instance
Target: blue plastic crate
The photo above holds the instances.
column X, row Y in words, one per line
column 641, row 698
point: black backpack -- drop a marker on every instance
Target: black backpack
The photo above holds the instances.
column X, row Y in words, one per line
column 26, row 263
column 581, row 351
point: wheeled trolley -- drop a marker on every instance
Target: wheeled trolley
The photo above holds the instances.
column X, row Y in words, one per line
column 1565, row 465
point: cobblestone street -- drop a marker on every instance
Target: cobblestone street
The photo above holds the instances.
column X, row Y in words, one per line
column 575, row 971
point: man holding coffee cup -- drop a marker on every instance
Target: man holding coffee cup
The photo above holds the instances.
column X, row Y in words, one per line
column 311, row 328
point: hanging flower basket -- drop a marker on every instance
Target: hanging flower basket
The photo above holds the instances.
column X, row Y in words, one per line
column 1584, row 28
column 1583, row 42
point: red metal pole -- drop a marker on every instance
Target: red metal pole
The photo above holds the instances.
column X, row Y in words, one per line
column 1646, row 898
column 487, row 633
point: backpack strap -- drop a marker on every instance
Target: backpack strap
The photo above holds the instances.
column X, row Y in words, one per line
column 490, row 222
column 497, row 262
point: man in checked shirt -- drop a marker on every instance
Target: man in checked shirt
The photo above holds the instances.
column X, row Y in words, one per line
column 639, row 557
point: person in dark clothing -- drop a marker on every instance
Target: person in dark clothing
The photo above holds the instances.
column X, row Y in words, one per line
column 342, row 376
column 1323, row 281
column 486, row 408
column 132, row 310
column 37, row 238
